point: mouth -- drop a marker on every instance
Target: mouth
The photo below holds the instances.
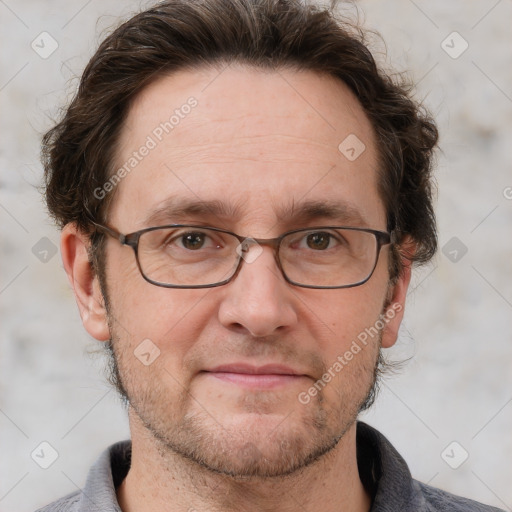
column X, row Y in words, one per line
column 263, row 377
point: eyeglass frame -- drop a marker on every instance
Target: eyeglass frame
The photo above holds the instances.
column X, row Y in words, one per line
column 383, row 238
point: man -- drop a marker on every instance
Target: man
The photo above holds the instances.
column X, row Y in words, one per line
column 242, row 195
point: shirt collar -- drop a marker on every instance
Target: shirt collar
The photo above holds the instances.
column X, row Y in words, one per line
column 385, row 473
column 382, row 470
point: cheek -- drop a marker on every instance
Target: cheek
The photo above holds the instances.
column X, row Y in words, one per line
column 339, row 316
column 349, row 342
column 172, row 319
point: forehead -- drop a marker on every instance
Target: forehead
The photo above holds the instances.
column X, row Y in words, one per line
column 256, row 143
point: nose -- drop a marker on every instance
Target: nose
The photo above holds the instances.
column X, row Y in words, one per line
column 258, row 299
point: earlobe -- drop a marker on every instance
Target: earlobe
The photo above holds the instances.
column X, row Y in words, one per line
column 394, row 313
column 85, row 283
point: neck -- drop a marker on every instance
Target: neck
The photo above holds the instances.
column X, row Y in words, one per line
column 160, row 479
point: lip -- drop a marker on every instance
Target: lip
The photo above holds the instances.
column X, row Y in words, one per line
column 267, row 376
column 244, row 368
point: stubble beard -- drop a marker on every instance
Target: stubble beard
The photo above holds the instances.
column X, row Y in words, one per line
column 186, row 429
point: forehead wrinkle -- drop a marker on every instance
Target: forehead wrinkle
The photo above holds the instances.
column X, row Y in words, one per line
column 254, row 148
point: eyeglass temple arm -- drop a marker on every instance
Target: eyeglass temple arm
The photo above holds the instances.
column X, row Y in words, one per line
column 112, row 232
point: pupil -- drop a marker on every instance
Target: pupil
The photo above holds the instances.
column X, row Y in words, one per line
column 193, row 241
column 318, row 241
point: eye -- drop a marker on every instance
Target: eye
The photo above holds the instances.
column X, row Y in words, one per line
column 319, row 240
column 193, row 240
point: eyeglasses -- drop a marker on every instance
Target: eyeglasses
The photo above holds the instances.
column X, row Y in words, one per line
column 189, row 256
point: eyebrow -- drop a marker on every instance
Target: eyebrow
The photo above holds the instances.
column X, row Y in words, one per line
column 177, row 209
column 306, row 211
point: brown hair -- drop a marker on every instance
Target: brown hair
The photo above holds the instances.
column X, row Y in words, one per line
column 78, row 152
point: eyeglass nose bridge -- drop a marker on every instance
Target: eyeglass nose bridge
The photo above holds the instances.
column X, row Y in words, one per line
column 243, row 248
column 247, row 255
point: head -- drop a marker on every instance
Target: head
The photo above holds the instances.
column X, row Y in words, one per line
column 263, row 114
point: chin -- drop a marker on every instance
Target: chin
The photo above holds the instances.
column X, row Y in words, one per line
column 255, row 445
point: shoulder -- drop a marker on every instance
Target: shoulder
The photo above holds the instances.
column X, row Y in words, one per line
column 67, row 503
column 99, row 492
column 384, row 471
column 437, row 500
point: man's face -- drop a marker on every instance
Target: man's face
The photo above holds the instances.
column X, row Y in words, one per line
column 258, row 142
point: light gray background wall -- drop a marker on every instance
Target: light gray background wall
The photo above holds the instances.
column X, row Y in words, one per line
column 457, row 387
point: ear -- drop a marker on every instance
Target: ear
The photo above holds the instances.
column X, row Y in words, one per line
column 397, row 293
column 85, row 283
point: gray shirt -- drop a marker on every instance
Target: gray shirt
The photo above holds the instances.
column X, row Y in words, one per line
column 382, row 470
